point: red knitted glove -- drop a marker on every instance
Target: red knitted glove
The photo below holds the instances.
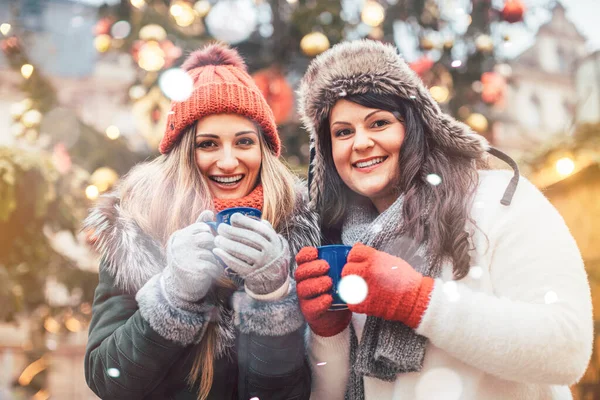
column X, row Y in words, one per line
column 313, row 286
column 396, row 292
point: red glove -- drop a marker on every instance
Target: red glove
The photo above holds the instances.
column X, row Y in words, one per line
column 313, row 287
column 396, row 292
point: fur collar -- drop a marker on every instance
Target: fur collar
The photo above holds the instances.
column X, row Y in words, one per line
column 132, row 257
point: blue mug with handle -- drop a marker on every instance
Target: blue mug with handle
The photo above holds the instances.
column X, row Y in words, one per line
column 224, row 217
column 336, row 256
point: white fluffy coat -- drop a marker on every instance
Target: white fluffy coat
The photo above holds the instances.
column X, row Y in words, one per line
column 518, row 327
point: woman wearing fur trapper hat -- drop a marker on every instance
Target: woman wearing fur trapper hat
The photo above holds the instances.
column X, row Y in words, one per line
column 167, row 322
column 475, row 287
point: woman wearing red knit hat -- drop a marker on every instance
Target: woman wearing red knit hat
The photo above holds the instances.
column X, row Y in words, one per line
column 167, row 321
column 475, row 289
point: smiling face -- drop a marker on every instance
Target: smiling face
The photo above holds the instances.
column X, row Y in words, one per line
column 365, row 144
column 228, row 154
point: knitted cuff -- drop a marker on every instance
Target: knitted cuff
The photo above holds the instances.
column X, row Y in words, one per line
column 276, row 295
column 332, row 323
column 421, row 303
column 267, row 318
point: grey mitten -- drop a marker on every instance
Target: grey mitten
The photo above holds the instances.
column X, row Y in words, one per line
column 255, row 252
column 191, row 265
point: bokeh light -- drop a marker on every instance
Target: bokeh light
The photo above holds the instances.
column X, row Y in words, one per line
column 434, row 179
column 551, row 297
column 176, row 84
column 91, row 192
column 353, row 289
column 372, row 13
column 27, row 70
column 120, row 30
column 113, row 132
column 565, row 166
column 5, row 28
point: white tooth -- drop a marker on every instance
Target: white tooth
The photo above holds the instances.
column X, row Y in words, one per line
column 228, row 179
column 370, row 162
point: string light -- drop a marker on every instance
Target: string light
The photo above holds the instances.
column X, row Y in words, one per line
column 5, row 29
column 565, row 166
column 202, row 7
column 151, row 57
column 373, row 13
column 73, row 324
column 113, row 132
column 51, row 325
column 440, row 93
column 27, row 70
column 138, row 3
column 91, row 192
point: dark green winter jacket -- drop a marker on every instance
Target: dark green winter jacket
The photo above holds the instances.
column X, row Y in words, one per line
column 142, row 347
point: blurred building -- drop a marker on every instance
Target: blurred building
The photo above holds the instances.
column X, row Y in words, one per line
column 541, row 96
column 587, row 80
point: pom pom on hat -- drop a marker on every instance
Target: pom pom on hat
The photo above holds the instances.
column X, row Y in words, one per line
column 214, row 54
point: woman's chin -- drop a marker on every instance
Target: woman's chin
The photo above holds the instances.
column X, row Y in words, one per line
column 238, row 193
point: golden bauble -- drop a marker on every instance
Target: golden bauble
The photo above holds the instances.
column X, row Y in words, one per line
column 103, row 178
column 314, row 44
column 477, row 122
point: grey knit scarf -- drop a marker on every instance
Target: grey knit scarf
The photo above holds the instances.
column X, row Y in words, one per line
column 387, row 348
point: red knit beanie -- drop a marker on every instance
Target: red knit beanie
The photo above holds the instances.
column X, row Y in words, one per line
column 221, row 86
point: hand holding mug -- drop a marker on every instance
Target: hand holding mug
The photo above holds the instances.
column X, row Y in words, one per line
column 254, row 251
column 314, row 288
column 191, row 266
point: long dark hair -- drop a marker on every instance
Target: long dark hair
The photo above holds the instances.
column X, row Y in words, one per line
column 436, row 213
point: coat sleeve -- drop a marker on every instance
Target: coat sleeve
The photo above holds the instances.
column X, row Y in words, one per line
column 330, row 363
column 272, row 361
column 536, row 326
column 132, row 343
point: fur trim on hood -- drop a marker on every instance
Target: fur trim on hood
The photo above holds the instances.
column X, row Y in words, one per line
column 365, row 66
column 132, row 257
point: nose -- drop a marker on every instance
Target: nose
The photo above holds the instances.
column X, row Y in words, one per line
column 228, row 161
column 362, row 141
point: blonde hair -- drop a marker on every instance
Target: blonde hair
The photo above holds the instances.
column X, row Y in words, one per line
column 169, row 192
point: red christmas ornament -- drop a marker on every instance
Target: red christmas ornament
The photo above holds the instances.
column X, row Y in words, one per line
column 277, row 91
column 172, row 52
column 10, row 46
column 494, row 88
column 103, row 26
column 155, row 114
column 422, row 65
column 513, row 11
column 61, row 158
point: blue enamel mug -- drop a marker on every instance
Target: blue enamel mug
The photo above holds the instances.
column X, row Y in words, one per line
column 336, row 256
column 224, row 217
